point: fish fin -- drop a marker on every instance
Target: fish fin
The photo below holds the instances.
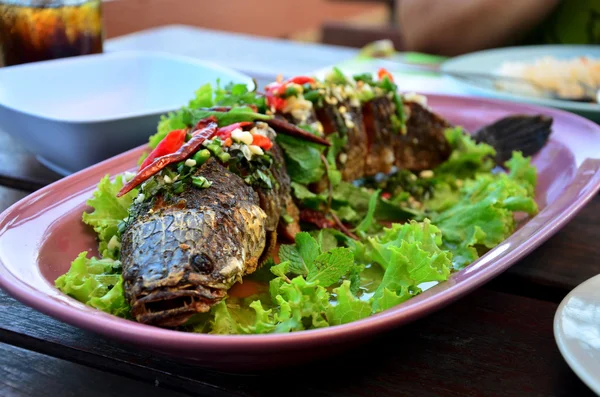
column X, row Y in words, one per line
column 524, row 133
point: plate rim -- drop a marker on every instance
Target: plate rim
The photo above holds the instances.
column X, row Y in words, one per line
column 150, row 336
column 585, row 376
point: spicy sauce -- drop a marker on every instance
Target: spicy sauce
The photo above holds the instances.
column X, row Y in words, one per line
column 40, row 30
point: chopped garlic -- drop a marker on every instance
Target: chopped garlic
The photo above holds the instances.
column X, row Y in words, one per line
column 190, row 162
column 167, row 179
column 414, row 97
column 246, row 152
column 343, row 158
column 256, row 150
column 127, row 176
column 140, row 198
column 241, row 136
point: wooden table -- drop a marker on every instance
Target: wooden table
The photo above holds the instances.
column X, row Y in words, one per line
column 496, row 341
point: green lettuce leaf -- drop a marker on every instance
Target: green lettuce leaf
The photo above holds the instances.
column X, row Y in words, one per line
column 522, row 172
column 410, row 253
column 97, row 283
column 348, row 308
column 108, row 212
column 467, row 159
column 484, row 215
column 301, row 304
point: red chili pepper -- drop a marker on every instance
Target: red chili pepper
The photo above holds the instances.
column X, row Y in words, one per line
column 225, row 132
column 262, row 141
column 275, row 89
column 183, row 153
column 386, row 195
column 300, row 80
column 275, row 102
column 382, row 72
column 171, row 143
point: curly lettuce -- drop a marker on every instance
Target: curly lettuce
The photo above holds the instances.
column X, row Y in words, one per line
column 108, row 211
column 97, row 283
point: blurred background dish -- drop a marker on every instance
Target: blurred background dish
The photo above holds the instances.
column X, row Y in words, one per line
column 552, row 64
column 75, row 112
column 577, row 331
column 40, row 30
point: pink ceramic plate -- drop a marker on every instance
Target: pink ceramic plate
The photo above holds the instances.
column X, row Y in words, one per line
column 43, row 233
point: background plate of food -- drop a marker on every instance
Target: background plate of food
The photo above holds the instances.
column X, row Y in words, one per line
column 264, row 229
column 566, row 70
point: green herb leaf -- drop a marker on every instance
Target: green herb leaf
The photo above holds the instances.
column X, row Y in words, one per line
column 235, row 115
column 238, row 95
column 303, row 159
column 329, row 267
column 367, row 221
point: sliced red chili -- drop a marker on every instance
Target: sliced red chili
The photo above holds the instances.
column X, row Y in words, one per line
column 382, row 72
column 225, row 132
column 262, row 141
column 275, row 89
column 170, row 143
column 185, row 151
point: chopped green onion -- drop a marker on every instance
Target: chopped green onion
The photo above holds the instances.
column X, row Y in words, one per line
column 287, row 219
column 201, row 157
column 178, row 187
column 312, row 96
column 201, row 182
column 290, row 91
column 224, row 156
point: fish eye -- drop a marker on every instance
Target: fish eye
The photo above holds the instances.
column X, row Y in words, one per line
column 201, row 263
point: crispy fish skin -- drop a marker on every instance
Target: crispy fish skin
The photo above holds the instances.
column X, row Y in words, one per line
column 277, row 201
column 424, row 146
column 182, row 257
column 340, row 116
column 380, row 131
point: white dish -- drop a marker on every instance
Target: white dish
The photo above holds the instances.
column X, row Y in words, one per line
column 489, row 61
column 74, row 112
column 577, row 331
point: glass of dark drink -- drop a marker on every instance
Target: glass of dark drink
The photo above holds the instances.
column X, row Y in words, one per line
column 39, row 30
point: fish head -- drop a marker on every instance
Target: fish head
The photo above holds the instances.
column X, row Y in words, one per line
column 185, row 260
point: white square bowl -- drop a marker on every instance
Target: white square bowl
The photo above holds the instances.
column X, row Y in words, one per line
column 74, row 112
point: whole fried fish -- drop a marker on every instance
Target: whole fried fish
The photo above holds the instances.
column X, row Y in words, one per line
column 181, row 255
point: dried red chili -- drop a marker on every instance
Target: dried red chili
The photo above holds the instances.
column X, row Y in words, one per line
column 185, row 151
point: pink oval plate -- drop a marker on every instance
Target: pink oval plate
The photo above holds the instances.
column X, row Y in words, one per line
column 41, row 234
